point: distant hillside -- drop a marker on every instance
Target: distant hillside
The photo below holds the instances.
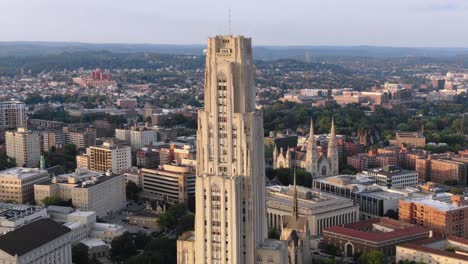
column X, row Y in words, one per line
column 260, row 52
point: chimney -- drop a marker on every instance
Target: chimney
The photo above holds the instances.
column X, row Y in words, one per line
column 457, row 200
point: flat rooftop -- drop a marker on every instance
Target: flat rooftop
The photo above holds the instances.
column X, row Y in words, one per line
column 81, row 173
column 408, row 134
column 19, row 173
column 344, row 180
column 314, row 201
column 82, row 213
column 93, row 242
column 102, row 179
column 440, row 201
column 434, row 246
column 389, row 172
column 18, row 211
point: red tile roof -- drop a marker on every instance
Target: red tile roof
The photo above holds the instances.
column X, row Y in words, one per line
column 352, row 230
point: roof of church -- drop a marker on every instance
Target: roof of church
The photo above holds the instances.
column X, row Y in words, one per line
column 288, row 222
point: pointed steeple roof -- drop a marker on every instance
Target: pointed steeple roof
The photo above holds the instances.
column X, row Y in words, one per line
column 311, row 132
column 332, row 130
column 332, row 141
column 311, row 141
column 295, row 212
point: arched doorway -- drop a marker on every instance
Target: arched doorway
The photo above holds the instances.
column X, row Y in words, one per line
column 349, row 250
column 324, row 171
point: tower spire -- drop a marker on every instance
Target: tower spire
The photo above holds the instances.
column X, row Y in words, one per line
column 332, row 152
column 295, row 211
column 332, row 140
column 311, row 132
column 332, row 130
column 311, row 154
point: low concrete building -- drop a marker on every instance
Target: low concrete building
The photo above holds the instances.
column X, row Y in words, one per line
column 83, row 224
column 96, row 248
column 88, row 190
column 449, row 250
column 392, row 176
column 13, row 216
column 172, row 183
column 321, row 210
column 107, row 232
column 43, row 241
column 373, row 200
column 144, row 219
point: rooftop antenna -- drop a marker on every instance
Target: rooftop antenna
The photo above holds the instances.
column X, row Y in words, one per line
column 229, row 21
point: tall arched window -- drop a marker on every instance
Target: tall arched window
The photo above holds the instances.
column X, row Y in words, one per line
column 324, row 171
column 216, row 223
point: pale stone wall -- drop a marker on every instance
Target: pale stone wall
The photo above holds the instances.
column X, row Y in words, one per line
column 230, row 224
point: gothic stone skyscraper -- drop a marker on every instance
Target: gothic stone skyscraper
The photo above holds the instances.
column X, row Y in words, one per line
column 230, row 221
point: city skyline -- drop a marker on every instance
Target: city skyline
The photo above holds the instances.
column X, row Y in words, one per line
column 432, row 23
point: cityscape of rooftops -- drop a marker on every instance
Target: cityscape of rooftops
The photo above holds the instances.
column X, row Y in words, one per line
column 189, row 132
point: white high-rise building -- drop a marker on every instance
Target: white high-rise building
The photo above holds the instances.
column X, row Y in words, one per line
column 24, row 146
column 230, row 221
column 12, row 114
column 140, row 137
column 108, row 157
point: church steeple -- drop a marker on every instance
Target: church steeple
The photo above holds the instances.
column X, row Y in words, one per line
column 312, row 153
column 295, row 210
column 332, row 152
column 311, row 131
column 332, row 140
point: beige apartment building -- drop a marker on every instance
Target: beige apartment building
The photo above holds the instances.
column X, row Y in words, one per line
column 81, row 139
column 24, row 146
column 17, row 184
column 88, row 191
column 410, row 139
column 108, row 157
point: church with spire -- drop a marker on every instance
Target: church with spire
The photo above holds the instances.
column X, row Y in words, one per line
column 295, row 231
column 308, row 158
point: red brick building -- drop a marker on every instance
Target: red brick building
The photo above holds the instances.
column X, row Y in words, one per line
column 444, row 213
column 378, row 234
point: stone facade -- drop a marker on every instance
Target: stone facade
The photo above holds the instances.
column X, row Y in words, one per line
column 310, row 160
column 230, row 223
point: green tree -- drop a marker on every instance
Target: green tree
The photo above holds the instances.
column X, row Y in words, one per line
column 372, row 257
column 170, row 218
column 158, row 250
column 273, row 233
column 455, row 190
column 123, row 247
column 185, row 223
column 80, row 254
column 6, row 162
column 132, row 191
column 55, row 200
column 141, row 240
column 392, row 214
column 328, row 261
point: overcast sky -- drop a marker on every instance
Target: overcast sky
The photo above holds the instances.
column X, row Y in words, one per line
column 423, row 23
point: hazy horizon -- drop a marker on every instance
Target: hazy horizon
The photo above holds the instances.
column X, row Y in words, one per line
column 397, row 23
